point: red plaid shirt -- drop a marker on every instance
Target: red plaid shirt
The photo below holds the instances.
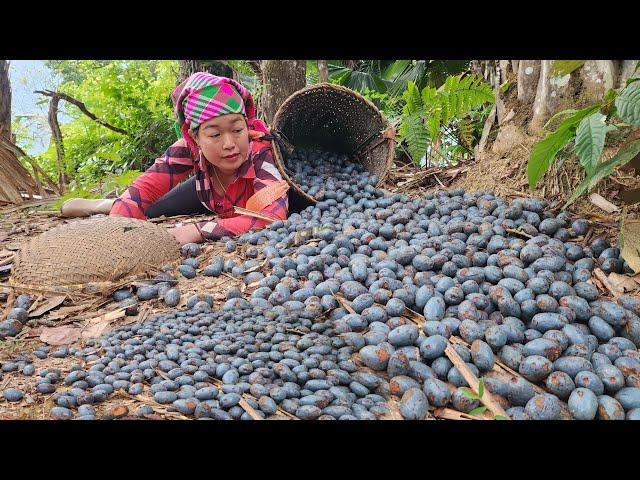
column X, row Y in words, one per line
column 178, row 162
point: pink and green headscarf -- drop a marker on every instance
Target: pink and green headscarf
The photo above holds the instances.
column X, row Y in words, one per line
column 204, row 96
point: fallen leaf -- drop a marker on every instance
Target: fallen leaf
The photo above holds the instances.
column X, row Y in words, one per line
column 48, row 305
column 631, row 244
column 623, row 283
column 35, row 304
column 64, row 312
column 108, row 317
column 60, row 335
column 95, row 330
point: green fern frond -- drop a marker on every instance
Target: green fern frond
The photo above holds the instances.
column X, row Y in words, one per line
column 466, row 129
column 413, row 131
column 427, row 111
column 413, row 100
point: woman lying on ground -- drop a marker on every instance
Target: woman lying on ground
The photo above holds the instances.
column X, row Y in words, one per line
column 229, row 153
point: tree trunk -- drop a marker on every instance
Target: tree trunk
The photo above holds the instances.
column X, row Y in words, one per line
column 515, row 64
column 323, row 69
column 528, row 74
column 215, row 67
column 14, row 178
column 598, row 77
column 5, row 100
column 280, row 79
column 557, row 93
column 627, row 70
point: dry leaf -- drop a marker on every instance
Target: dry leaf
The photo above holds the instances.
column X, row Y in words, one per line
column 48, row 305
column 109, row 316
column 623, row 283
column 94, row 331
column 35, row 303
column 64, row 312
column 631, row 251
column 60, row 335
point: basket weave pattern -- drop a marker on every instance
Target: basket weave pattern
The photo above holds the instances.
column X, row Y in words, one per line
column 336, row 119
column 95, row 250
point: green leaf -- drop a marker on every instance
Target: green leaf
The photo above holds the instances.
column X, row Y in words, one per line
column 468, row 393
column 543, row 154
column 478, row 410
column 395, row 69
column 590, row 138
column 545, row 151
column 628, row 104
column 609, row 96
column 505, row 86
column 341, row 77
column 481, row 388
column 558, row 115
column 604, row 170
column 500, row 417
column 560, row 68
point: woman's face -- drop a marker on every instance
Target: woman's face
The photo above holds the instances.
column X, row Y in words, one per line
column 224, row 141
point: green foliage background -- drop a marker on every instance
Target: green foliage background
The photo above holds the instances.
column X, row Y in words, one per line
column 134, row 95
column 131, row 95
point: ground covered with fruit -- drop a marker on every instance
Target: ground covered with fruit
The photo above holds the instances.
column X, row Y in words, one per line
column 367, row 305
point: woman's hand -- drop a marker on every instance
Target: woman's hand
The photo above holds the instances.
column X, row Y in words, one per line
column 186, row 234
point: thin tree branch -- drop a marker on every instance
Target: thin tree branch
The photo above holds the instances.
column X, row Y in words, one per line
column 83, row 109
column 57, row 137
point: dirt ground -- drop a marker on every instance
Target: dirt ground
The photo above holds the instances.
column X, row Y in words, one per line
column 17, row 226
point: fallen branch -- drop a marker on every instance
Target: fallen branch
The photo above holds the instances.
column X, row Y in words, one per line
column 517, row 233
column 249, row 409
column 251, row 213
column 601, row 202
column 467, row 374
column 498, row 366
column 450, row 414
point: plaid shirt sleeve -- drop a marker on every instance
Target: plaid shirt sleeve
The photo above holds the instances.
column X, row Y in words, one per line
column 266, row 173
column 167, row 171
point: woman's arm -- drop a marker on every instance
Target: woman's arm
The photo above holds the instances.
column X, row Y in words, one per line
column 167, row 171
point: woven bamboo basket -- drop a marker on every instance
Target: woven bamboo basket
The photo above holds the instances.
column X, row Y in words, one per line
column 337, row 119
column 70, row 256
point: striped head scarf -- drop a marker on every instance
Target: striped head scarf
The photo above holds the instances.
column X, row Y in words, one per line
column 204, row 96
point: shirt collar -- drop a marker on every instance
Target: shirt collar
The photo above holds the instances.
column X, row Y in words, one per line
column 246, row 169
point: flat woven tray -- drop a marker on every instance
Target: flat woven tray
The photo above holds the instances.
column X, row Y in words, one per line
column 96, row 250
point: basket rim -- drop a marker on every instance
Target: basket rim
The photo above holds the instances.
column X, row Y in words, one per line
column 330, row 86
column 327, row 86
